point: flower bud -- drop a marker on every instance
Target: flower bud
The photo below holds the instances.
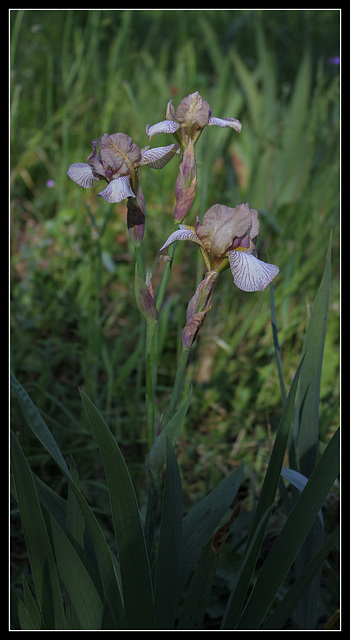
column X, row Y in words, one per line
column 186, row 182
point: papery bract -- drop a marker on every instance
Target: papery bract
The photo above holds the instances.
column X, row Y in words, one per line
column 197, row 309
column 144, row 297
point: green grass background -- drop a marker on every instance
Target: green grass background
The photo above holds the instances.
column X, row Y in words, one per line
column 77, row 74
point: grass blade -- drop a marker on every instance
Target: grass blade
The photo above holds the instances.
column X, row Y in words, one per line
column 157, row 454
column 195, row 603
column 132, row 552
column 291, row 537
column 286, row 606
column 238, row 593
column 200, row 523
column 31, row 604
column 19, row 616
column 169, row 548
column 308, row 429
column 277, row 346
column 80, row 588
column 260, row 519
column 105, row 562
column 40, row 554
column 193, row 610
column 310, row 379
column 37, row 424
column 273, row 472
column 101, row 549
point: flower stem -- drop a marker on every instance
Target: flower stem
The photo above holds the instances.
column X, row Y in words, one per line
column 151, row 511
column 150, row 366
column 139, row 261
column 177, row 388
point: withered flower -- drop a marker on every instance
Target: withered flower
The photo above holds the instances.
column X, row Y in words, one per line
column 227, row 238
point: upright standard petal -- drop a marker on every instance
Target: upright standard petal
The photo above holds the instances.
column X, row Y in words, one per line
column 158, row 157
column 250, row 273
column 226, row 122
column 221, row 225
column 82, row 174
column 193, row 112
column 119, row 153
column 118, row 190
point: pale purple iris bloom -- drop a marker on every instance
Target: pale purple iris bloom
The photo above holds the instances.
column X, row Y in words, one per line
column 117, row 162
column 186, row 125
column 226, row 238
column 192, row 115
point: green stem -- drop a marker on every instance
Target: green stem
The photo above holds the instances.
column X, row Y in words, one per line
column 150, row 366
column 149, row 358
column 177, row 388
column 139, row 261
column 151, row 512
column 150, row 349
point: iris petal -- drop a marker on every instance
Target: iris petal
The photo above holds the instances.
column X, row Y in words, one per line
column 249, row 273
column 158, row 157
column 117, row 190
column 165, row 126
column 226, row 122
column 82, row 174
column 183, row 233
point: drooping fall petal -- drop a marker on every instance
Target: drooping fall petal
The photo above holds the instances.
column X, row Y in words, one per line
column 250, row 273
column 226, row 122
column 117, row 190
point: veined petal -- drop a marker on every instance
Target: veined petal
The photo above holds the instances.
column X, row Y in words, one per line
column 165, row 126
column 82, row 174
column 183, row 233
column 249, row 273
column 158, row 157
column 226, row 122
column 117, row 190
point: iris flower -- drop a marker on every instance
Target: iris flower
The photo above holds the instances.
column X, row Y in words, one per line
column 227, row 238
column 117, row 162
column 186, row 125
column 192, row 115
